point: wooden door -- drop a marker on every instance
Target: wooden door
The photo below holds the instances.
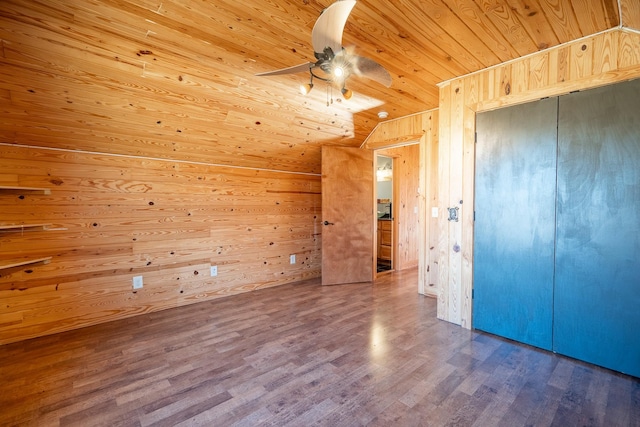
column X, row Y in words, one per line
column 347, row 215
column 515, row 222
column 597, row 291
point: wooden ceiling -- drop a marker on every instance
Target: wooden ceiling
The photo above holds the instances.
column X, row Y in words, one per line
column 175, row 78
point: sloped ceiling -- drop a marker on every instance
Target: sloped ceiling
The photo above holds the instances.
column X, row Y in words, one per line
column 175, row 78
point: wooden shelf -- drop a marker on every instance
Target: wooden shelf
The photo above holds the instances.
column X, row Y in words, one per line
column 19, row 263
column 24, row 227
column 6, row 189
column 12, row 228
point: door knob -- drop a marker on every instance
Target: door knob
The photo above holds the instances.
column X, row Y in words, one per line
column 327, row 223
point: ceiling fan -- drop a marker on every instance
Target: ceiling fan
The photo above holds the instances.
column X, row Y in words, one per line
column 335, row 64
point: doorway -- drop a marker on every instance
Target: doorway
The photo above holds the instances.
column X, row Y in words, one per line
column 384, row 209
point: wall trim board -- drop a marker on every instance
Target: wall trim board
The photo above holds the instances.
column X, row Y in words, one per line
column 631, row 30
column 605, row 58
column 159, row 159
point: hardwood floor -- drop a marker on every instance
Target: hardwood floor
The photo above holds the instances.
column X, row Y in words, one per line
column 304, row 355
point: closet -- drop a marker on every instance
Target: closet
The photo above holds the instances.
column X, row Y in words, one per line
column 557, row 225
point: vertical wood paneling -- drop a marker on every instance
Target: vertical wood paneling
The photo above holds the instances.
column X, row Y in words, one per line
column 424, row 255
column 468, row 189
column 605, row 53
column 444, row 156
column 456, row 200
column 628, row 52
column 428, row 254
column 581, row 55
column 505, row 84
column 165, row 220
column 606, row 58
column 433, row 197
column 538, row 72
column 519, row 77
column 562, row 65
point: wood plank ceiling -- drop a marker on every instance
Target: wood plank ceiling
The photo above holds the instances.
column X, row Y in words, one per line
column 175, row 78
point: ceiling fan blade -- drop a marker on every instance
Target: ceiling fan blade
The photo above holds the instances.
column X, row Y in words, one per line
column 289, row 70
column 327, row 31
column 370, row 69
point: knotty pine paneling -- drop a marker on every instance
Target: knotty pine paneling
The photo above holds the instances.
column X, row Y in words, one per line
column 120, row 78
column 428, row 245
column 606, row 58
column 168, row 221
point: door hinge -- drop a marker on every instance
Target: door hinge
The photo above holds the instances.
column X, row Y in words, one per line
column 474, row 216
column 475, row 137
column 473, row 293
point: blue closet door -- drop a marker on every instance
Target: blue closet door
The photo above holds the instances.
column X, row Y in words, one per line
column 597, row 290
column 515, row 196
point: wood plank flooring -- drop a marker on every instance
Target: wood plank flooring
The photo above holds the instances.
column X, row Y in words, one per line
column 304, row 355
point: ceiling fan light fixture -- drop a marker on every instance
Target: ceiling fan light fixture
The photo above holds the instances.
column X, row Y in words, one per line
column 346, row 93
column 334, row 64
column 305, row 89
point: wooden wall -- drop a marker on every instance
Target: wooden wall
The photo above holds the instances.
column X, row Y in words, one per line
column 166, row 220
column 602, row 59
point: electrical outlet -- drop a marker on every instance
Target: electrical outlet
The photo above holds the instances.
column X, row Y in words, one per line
column 434, row 212
column 214, row 270
column 292, row 259
column 137, row 282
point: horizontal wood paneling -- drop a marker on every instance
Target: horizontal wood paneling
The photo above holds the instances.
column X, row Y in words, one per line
column 168, row 221
column 599, row 60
